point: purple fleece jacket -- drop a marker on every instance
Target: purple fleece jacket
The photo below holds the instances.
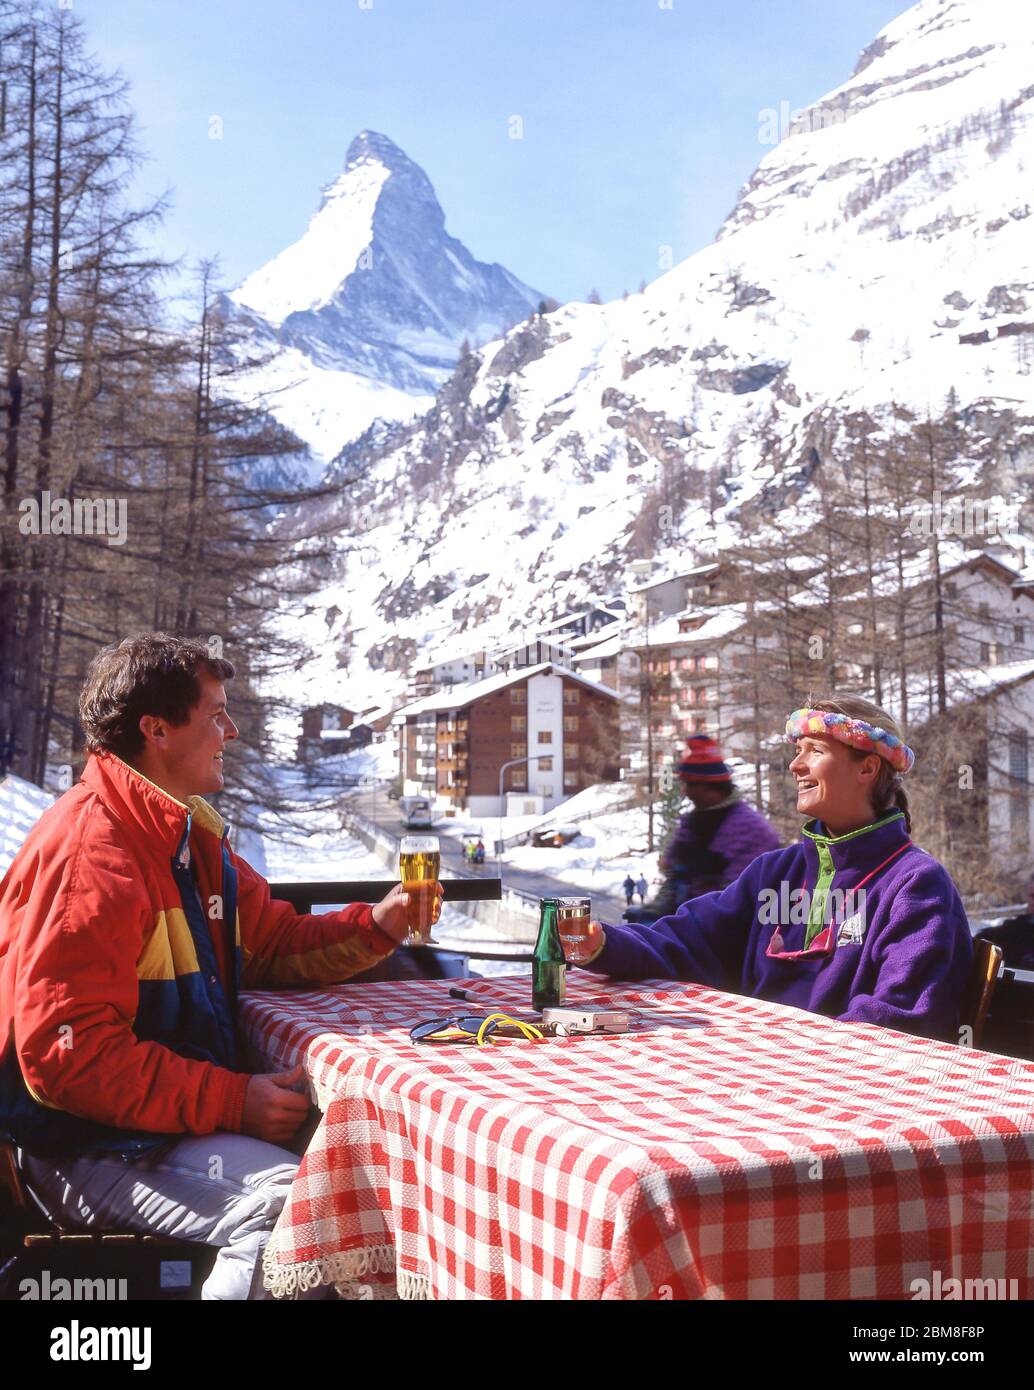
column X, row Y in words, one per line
column 908, row 970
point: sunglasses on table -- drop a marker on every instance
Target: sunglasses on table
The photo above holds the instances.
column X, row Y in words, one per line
column 476, row 1028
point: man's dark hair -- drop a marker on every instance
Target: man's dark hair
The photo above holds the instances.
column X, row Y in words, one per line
column 150, row 674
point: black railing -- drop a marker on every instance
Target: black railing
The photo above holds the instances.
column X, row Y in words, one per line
column 370, row 890
column 303, row 896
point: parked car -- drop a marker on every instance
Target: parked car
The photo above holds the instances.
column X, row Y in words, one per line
column 555, row 836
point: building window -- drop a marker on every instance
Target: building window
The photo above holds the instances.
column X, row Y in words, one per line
column 1019, row 767
column 571, row 753
column 547, row 791
column 1019, row 798
column 1019, row 635
column 545, row 736
column 519, row 779
column 545, row 764
column 517, row 750
column 518, row 695
column 518, row 724
column 985, row 653
column 570, row 723
column 570, row 780
column 571, row 695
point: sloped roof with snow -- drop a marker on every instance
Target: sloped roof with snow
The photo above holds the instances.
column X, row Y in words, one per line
column 462, row 695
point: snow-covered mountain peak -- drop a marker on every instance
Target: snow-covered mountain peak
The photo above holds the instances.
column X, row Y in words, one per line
column 879, row 258
column 310, row 272
column 373, row 301
column 371, row 147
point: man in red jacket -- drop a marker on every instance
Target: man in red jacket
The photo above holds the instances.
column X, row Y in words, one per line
column 127, row 926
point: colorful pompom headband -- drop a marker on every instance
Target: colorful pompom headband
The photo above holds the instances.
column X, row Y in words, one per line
column 869, row 738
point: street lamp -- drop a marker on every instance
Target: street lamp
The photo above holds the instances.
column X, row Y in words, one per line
column 514, row 762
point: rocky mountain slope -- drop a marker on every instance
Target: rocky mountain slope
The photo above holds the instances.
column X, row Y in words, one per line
column 881, row 255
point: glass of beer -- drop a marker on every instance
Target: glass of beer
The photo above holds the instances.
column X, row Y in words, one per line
column 420, row 859
column 573, row 924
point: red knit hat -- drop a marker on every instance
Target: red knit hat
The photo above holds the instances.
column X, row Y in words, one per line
column 702, row 760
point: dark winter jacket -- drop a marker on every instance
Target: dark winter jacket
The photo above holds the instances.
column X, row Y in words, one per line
column 710, row 848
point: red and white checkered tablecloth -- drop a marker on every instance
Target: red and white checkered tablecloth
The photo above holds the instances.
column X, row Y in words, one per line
column 727, row 1148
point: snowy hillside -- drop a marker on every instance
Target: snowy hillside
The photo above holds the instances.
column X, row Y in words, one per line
column 367, row 311
column 21, row 805
column 883, row 252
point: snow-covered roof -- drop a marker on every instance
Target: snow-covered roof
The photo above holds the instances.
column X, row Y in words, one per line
column 576, row 613
column 462, row 695
column 666, row 577
column 983, row 680
column 591, row 639
column 602, row 650
column 963, row 685
column 714, row 624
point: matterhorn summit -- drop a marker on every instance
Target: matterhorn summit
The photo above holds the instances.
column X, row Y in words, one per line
column 367, row 311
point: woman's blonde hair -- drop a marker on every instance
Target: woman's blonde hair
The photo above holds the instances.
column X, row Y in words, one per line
column 888, row 793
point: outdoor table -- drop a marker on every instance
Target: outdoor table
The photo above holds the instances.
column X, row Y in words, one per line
column 726, row 1148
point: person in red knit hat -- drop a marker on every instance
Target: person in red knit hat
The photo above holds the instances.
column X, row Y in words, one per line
column 714, row 842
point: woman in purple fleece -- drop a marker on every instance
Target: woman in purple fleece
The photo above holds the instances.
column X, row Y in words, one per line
column 854, row 921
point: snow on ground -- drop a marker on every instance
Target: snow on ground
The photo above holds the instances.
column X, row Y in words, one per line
column 21, row 805
column 612, row 843
column 378, row 761
column 310, row 844
column 608, row 849
column 590, row 802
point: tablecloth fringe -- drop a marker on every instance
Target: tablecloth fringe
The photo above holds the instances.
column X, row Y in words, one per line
column 346, row 1270
column 414, row 1286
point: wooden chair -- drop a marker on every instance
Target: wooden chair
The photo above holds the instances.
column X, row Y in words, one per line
column 155, row 1266
column 12, row 1189
column 987, row 967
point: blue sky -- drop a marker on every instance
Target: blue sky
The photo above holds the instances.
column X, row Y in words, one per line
column 640, row 117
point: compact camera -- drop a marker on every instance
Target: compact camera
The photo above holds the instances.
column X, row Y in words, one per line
column 585, row 1020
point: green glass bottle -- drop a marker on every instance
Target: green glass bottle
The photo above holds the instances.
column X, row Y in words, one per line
column 548, row 969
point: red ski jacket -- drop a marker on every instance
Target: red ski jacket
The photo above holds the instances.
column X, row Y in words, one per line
column 127, row 926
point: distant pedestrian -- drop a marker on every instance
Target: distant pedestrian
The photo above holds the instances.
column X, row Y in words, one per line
column 641, row 887
column 629, row 887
